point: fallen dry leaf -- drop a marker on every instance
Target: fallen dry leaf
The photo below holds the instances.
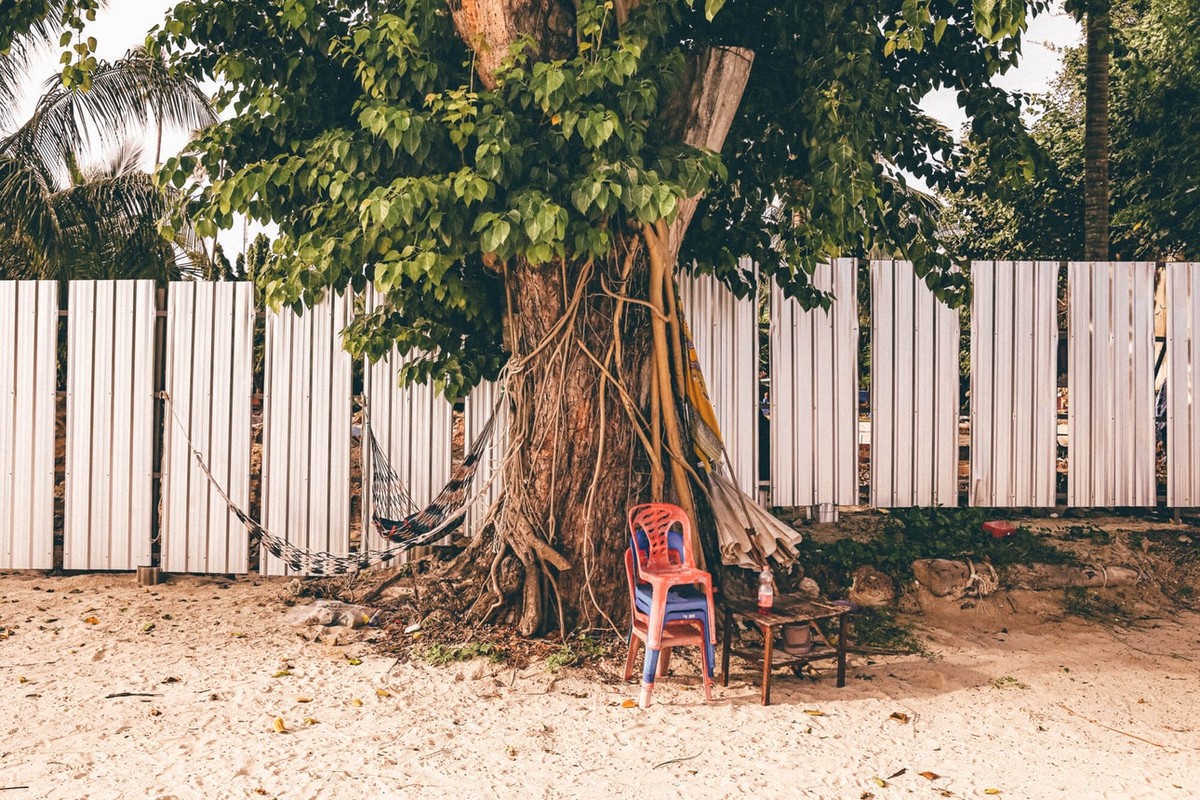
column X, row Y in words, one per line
column 154, row 712
column 283, row 673
column 354, row 662
column 812, row 712
column 628, row 703
column 91, row 621
column 383, row 693
column 930, row 776
column 22, row 679
column 279, row 726
column 303, row 699
column 898, row 773
column 238, row 635
column 356, row 702
column 991, row 791
column 880, row 782
column 900, row 717
column 309, row 721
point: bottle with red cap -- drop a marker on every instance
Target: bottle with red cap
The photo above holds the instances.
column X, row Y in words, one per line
column 766, row 591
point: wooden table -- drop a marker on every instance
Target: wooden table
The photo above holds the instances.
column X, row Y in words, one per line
column 787, row 611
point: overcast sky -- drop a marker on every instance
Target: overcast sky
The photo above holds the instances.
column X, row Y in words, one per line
column 124, row 24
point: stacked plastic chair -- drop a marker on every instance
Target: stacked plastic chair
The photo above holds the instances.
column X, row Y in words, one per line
column 671, row 599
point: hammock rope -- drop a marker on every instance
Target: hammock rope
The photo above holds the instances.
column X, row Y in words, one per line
column 414, row 530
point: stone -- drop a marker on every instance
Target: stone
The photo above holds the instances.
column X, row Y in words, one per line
column 942, row 577
column 870, row 587
column 809, row 588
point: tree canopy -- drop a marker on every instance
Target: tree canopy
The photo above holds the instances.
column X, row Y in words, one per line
column 1155, row 152
column 368, row 138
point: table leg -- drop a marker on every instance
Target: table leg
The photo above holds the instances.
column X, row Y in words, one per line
column 768, row 653
column 841, row 675
column 727, row 633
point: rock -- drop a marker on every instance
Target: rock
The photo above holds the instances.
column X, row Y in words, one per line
column 870, row 587
column 809, row 588
column 943, row 577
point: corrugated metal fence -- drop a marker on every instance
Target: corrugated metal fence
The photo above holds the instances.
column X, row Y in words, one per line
column 28, row 346
column 914, row 391
column 199, row 340
column 1014, row 383
column 814, row 394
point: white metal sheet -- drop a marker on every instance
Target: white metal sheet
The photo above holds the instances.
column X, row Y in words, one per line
column 209, row 362
column 1014, row 360
column 814, row 393
column 914, row 391
column 725, row 334
column 1111, row 384
column 110, row 425
column 306, row 431
column 28, row 351
column 1183, row 384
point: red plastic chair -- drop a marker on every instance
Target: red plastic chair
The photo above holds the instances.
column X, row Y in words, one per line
column 660, row 540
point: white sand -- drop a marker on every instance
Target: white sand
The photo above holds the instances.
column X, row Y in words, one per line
column 1023, row 712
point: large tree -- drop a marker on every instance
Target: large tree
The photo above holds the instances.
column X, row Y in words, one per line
column 516, row 178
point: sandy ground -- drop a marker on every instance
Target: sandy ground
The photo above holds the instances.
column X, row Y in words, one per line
column 1015, row 702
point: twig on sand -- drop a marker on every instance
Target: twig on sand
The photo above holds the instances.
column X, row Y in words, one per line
column 131, row 694
column 1073, row 712
column 30, row 664
column 676, row 760
column 6, row 788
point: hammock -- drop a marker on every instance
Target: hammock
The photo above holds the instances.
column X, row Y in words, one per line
column 415, row 530
column 389, row 493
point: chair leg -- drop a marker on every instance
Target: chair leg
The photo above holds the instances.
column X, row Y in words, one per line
column 664, row 663
column 648, row 671
column 631, row 657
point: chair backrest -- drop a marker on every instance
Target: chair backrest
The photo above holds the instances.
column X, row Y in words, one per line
column 660, row 535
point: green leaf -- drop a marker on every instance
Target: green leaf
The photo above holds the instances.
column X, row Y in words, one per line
column 939, row 30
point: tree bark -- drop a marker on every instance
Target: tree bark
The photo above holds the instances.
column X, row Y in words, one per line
column 583, row 443
column 1096, row 240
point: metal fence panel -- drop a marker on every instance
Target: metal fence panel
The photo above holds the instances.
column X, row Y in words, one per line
column 110, row 425
column 209, row 380
column 1014, row 383
column 306, row 431
column 814, row 394
column 725, row 333
column 914, row 391
column 1111, row 378
column 28, row 352
column 1183, row 384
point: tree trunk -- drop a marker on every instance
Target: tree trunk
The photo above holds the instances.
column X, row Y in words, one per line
column 586, row 367
column 1095, row 147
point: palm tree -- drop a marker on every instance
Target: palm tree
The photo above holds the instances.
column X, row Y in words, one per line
column 58, row 220
column 1097, row 17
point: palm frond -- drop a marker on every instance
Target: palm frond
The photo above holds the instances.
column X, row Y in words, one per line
column 124, row 98
column 19, row 47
